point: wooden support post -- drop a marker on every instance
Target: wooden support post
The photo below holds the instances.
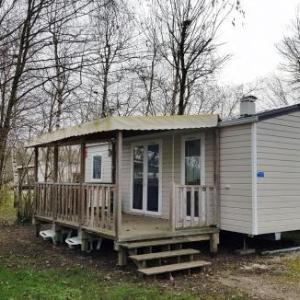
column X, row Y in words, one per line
column 113, row 159
column 214, row 242
column 36, row 179
column 82, row 162
column 55, row 180
column 118, row 194
column 36, row 163
column 55, row 164
column 84, row 241
column 122, row 254
column 82, row 179
column 58, row 237
column 37, row 228
column 172, row 216
column 122, row 257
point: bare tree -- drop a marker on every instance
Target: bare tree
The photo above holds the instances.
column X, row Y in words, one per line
column 221, row 99
column 18, row 46
column 66, row 55
column 289, row 48
column 109, row 54
column 27, row 36
column 276, row 92
column 187, row 35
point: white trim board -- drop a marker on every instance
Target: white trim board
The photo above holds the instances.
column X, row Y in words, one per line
column 254, row 176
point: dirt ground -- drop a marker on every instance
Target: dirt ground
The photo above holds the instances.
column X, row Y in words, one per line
column 252, row 277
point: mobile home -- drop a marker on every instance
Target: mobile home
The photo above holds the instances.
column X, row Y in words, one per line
column 165, row 181
column 260, row 171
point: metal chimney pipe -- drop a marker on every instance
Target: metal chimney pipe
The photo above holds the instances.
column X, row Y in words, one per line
column 247, row 106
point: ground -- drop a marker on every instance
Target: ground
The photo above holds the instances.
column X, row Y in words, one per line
column 31, row 268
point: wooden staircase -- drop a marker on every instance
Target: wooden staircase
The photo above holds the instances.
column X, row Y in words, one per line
column 163, row 256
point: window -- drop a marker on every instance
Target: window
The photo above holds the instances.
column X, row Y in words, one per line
column 138, row 172
column 192, row 172
column 153, row 177
column 192, row 162
column 97, row 160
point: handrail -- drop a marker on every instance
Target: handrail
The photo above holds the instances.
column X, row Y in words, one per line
column 58, row 183
column 76, row 183
column 194, row 186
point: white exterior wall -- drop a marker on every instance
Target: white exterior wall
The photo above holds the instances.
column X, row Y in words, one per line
column 278, row 156
column 166, row 156
column 106, row 163
column 236, row 196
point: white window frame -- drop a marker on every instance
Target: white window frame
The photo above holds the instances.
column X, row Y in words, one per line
column 144, row 211
column 92, row 168
column 191, row 137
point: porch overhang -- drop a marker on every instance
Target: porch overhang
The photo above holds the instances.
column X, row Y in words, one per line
column 107, row 127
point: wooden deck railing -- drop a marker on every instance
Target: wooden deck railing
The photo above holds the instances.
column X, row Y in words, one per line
column 89, row 205
column 44, row 204
column 195, row 206
column 98, row 206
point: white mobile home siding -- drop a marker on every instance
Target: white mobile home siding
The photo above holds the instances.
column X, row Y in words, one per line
column 106, row 163
column 278, row 156
column 166, row 155
column 236, row 178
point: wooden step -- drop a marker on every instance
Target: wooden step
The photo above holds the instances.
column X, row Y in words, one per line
column 163, row 254
column 151, row 243
column 174, row 267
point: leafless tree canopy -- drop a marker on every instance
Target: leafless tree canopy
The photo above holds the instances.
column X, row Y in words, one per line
column 64, row 62
column 186, row 32
column 289, row 49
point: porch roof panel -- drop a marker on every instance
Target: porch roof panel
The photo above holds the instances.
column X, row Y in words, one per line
column 131, row 123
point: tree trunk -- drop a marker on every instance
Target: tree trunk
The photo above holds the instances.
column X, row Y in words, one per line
column 174, row 93
column 181, row 104
column 3, row 142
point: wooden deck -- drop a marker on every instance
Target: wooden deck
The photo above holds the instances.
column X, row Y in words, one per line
column 92, row 209
column 135, row 228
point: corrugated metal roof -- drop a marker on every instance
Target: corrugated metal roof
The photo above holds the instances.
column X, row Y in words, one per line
column 128, row 123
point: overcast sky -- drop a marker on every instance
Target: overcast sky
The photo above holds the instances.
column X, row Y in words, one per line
column 252, row 44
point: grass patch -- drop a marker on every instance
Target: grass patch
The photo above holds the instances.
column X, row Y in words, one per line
column 76, row 283
column 21, row 282
column 292, row 268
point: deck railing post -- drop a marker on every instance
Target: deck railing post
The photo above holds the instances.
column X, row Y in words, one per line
column 173, row 207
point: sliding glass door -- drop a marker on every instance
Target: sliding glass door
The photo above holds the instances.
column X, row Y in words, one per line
column 146, row 178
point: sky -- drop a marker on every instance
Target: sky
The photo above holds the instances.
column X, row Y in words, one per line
column 252, row 41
